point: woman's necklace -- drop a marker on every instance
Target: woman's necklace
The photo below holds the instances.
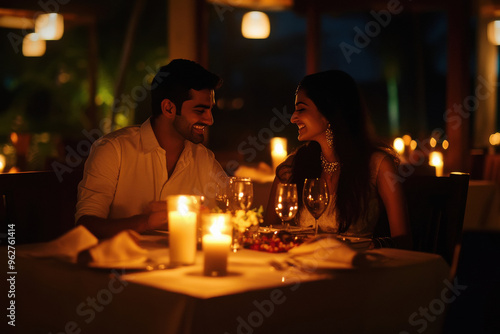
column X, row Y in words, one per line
column 329, row 167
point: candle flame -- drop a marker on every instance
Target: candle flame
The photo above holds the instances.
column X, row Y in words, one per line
column 407, row 140
column 2, row 162
column 217, row 226
column 399, row 145
column 495, row 139
column 436, row 159
column 278, row 148
column 182, row 205
column 433, row 142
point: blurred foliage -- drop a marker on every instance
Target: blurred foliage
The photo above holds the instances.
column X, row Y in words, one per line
column 51, row 93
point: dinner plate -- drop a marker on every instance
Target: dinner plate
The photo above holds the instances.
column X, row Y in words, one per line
column 355, row 242
column 156, row 232
column 128, row 265
column 290, row 229
column 131, row 265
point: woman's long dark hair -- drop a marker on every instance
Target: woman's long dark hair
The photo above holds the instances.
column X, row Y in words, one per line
column 336, row 96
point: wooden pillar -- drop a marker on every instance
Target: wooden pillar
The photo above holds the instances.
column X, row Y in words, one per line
column 92, row 74
column 487, row 77
column 203, row 16
column 185, row 28
column 458, row 94
column 313, row 39
column 125, row 58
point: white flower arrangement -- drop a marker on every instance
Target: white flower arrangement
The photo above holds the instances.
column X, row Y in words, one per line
column 242, row 220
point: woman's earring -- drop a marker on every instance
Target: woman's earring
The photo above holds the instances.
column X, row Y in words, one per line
column 329, row 136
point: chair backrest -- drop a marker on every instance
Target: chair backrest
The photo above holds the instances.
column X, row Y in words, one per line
column 436, row 207
column 41, row 206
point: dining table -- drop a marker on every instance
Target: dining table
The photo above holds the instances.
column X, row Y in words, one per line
column 399, row 292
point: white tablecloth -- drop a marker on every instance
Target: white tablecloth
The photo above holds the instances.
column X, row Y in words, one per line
column 54, row 296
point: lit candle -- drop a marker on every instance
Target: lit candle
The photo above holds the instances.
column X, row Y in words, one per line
column 436, row 160
column 182, row 217
column 216, row 244
column 494, row 142
column 278, row 151
column 399, row 145
column 2, row 162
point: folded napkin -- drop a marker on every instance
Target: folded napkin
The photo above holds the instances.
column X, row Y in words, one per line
column 122, row 248
column 328, row 253
column 79, row 245
column 66, row 247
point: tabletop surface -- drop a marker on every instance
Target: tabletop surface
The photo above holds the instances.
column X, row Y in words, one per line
column 56, row 296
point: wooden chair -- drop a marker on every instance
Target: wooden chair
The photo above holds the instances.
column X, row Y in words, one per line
column 40, row 206
column 436, row 208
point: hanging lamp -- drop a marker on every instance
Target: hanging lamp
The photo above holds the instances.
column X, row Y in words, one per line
column 255, row 25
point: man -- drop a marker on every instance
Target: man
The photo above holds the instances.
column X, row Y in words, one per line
column 130, row 172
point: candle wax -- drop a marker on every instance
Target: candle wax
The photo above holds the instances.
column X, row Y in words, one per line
column 182, row 237
column 216, row 250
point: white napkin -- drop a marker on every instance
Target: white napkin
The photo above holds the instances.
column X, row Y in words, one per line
column 122, row 248
column 66, row 247
column 328, row 253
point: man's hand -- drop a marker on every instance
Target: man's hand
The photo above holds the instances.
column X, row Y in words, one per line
column 157, row 214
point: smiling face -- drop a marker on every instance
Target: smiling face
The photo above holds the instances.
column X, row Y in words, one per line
column 195, row 115
column 311, row 123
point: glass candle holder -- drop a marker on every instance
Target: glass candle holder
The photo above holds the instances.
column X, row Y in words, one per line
column 182, row 225
column 217, row 231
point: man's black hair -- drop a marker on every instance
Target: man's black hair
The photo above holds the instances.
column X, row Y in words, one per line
column 173, row 82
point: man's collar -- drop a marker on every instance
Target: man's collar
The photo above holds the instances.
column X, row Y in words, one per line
column 148, row 138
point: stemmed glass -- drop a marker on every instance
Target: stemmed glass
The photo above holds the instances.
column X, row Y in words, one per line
column 240, row 193
column 286, row 202
column 316, row 198
column 222, row 196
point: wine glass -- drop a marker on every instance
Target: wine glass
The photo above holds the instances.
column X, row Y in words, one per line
column 316, row 198
column 240, row 193
column 222, row 195
column 286, row 202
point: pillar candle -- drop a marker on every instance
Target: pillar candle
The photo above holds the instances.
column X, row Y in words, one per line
column 278, row 151
column 436, row 160
column 182, row 226
column 216, row 243
column 216, row 250
column 182, row 237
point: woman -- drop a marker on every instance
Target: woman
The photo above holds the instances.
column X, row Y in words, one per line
column 359, row 173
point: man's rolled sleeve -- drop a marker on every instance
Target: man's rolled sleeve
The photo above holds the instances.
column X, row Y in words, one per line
column 97, row 188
